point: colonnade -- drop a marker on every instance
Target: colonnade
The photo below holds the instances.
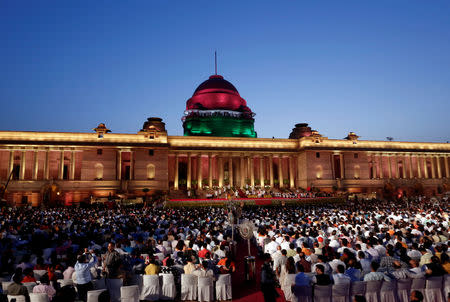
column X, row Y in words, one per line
column 256, row 168
column 409, row 165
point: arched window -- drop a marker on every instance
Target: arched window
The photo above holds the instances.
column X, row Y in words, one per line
column 98, row 171
column 150, row 171
column 357, row 172
column 319, row 172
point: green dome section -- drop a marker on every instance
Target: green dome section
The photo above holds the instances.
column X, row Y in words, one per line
column 217, row 109
column 222, row 126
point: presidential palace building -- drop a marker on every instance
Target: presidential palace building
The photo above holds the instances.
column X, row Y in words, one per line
column 219, row 148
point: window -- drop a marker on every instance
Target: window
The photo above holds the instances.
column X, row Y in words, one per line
column 98, row 171
column 150, row 171
column 317, row 154
column 355, row 155
column 66, row 172
column 151, row 152
column 99, row 151
column 16, row 172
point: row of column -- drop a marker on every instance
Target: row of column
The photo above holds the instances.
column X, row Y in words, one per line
column 46, row 164
column 244, row 161
column 407, row 164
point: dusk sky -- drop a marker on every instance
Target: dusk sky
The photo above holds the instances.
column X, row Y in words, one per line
column 378, row 68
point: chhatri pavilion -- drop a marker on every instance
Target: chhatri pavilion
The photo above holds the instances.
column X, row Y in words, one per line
column 219, row 148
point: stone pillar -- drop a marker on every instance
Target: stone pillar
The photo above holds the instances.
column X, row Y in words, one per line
column 425, row 168
column 220, row 170
column 446, row 167
column 61, row 165
column 242, row 166
column 397, row 170
column 230, row 170
column 411, row 171
column 404, row 166
column 374, row 167
column 47, row 165
column 291, row 173
column 11, row 161
column 22, row 165
column 297, row 163
column 341, row 165
column 419, row 172
column 438, row 166
column 131, row 165
column 210, row 178
column 280, row 171
column 261, row 171
column 252, row 170
column 175, row 181
column 199, row 171
column 433, row 167
column 380, row 164
column 189, row 172
column 271, row 170
column 119, row 164
column 390, row 166
column 72, row 165
column 35, row 165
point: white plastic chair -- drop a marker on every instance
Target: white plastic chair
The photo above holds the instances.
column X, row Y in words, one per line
column 433, row 290
column 38, row 273
column 418, row 284
column 18, row 298
column 446, row 285
column 150, row 288
column 38, row 297
column 388, row 291
column 403, row 289
column 357, row 288
column 341, row 292
column 5, row 285
column 373, row 290
column 63, row 282
column 223, row 287
column 99, row 283
column 189, row 287
column 322, row 293
column 29, row 286
column 129, row 293
column 303, row 293
column 113, row 286
column 92, row 295
column 205, row 289
column 168, row 288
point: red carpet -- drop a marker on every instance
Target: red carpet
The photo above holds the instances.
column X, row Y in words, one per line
column 248, row 290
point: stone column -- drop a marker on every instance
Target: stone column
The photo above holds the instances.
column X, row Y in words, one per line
column 374, row 167
column 291, row 173
column 341, row 165
column 433, row 167
column 199, row 171
column 380, row 164
column 131, row 165
column 425, row 168
column 297, row 163
column 189, row 172
column 35, row 165
column 446, row 167
column 252, row 170
column 47, row 165
column 397, row 170
column 438, row 166
column 119, row 164
column 72, row 165
column 411, row 171
column 390, row 165
column 230, row 170
column 280, row 171
column 242, row 166
column 11, row 161
column 271, row 170
column 61, row 165
column 404, row 166
column 220, row 170
column 261, row 171
column 22, row 165
column 175, row 181
column 210, row 178
column 419, row 172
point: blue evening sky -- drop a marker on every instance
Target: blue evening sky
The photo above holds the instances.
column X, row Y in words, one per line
column 379, row 68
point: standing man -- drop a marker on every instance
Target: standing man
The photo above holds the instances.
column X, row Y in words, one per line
column 112, row 262
column 268, row 280
column 83, row 272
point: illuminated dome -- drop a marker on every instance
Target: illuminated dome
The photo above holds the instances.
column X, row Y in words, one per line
column 217, row 93
column 217, row 109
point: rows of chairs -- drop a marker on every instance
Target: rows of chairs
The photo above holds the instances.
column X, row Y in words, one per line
column 434, row 289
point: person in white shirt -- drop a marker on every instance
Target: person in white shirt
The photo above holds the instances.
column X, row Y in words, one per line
column 339, row 277
column 203, row 271
column 374, row 275
column 271, row 247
